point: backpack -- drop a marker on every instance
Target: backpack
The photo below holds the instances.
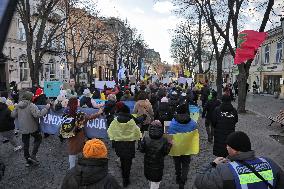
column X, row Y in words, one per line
column 70, row 126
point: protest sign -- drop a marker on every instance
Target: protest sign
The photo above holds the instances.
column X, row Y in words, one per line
column 52, row 88
column 101, row 84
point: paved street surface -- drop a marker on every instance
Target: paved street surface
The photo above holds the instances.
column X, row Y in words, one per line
column 54, row 159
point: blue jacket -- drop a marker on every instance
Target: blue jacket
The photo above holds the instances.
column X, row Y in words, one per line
column 182, row 123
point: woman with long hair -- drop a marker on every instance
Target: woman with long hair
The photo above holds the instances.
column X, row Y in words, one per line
column 72, row 129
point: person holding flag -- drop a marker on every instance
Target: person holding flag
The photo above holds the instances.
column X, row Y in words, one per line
column 183, row 130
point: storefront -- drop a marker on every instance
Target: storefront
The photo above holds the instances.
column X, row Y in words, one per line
column 271, row 83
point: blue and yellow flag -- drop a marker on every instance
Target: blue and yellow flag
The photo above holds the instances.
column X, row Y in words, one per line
column 185, row 143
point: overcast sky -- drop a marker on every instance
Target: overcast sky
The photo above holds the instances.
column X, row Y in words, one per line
column 152, row 19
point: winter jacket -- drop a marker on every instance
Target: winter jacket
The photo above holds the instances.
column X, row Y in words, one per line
column 173, row 102
column 161, row 93
column 205, row 92
column 90, row 174
column 28, row 115
column 7, row 122
column 164, row 112
column 124, row 132
column 182, row 123
column 144, row 107
column 127, row 97
column 221, row 176
column 155, row 148
column 109, row 111
column 210, row 107
column 224, row 119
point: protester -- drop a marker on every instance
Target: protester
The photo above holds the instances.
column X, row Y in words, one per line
column 155, row 147
column 242, row 169
column 109, row 108
column 208, row 110
column 7, row 126
column 164, row 111
column 72, row 129
column 124, row 132
column 39, row 98
column 127, row 96
column 224, row 119
column 235, row 86
column 87, row 100
column 28, row 114
column 174, row 100
column 91, row 171
column 14, row 91
column 182, row 123
column 205, row 92
column 144, row 107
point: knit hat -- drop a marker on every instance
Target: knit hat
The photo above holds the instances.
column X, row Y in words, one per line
column 239, row 141
column 95, row 148
column 27, row 96
column 182, row 109
column 38, row 92
column 164, row 99
column 87, row 93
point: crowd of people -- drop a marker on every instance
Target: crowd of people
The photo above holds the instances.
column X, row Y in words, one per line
column 236, row 165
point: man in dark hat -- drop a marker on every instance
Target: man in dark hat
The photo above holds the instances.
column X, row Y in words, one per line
column 241, row 169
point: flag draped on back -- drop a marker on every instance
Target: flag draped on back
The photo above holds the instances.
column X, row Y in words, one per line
column 248, row 42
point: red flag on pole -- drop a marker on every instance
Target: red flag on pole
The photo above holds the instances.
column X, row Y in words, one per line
column 248, row 43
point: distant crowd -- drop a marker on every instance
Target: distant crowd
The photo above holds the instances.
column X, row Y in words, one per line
column 159, row 125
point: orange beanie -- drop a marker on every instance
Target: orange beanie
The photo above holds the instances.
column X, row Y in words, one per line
column 95, row 148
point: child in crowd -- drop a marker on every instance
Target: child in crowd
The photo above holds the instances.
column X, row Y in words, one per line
column 155, row 147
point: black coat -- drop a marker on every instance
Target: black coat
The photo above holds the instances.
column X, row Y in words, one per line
column 86, row 101
column 90, row 174
column 164, row 112
column 7, row 122
column 124, row 149
column 224, row 120
column 155, row 147
column 210, row 107
column 173, row 102
column 40, row 100
column 109, row 111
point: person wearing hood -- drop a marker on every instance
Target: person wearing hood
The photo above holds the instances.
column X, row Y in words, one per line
column 209, row 108
column 124, row 132
column 91, row 171
column 144, row 107
column 241, row 169
column 39, row 98
column 182, row 123
column 155, row 147
column 7, row 126
column 28, row 116
column 224, row 119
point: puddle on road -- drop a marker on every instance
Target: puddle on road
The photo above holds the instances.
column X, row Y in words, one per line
column 278, row 138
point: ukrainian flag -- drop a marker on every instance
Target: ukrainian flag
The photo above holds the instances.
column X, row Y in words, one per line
column 186, row 140
column 185, row 143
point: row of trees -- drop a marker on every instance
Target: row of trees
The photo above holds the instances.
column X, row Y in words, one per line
column 222, row 21
column 70, row 28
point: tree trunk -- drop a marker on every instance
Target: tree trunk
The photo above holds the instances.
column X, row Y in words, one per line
column 219, row 78
column 114, row 73
column 199, row 49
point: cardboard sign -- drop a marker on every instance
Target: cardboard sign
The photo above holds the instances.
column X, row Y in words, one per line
column 52, row 88
column 101, row 84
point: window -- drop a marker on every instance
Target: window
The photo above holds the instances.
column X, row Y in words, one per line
column 279, row 52
column 22, row 32
column 24, row 68
column 266, row 55
column 256, row 60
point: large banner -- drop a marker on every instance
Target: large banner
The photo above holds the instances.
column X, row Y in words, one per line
column 51, row 122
